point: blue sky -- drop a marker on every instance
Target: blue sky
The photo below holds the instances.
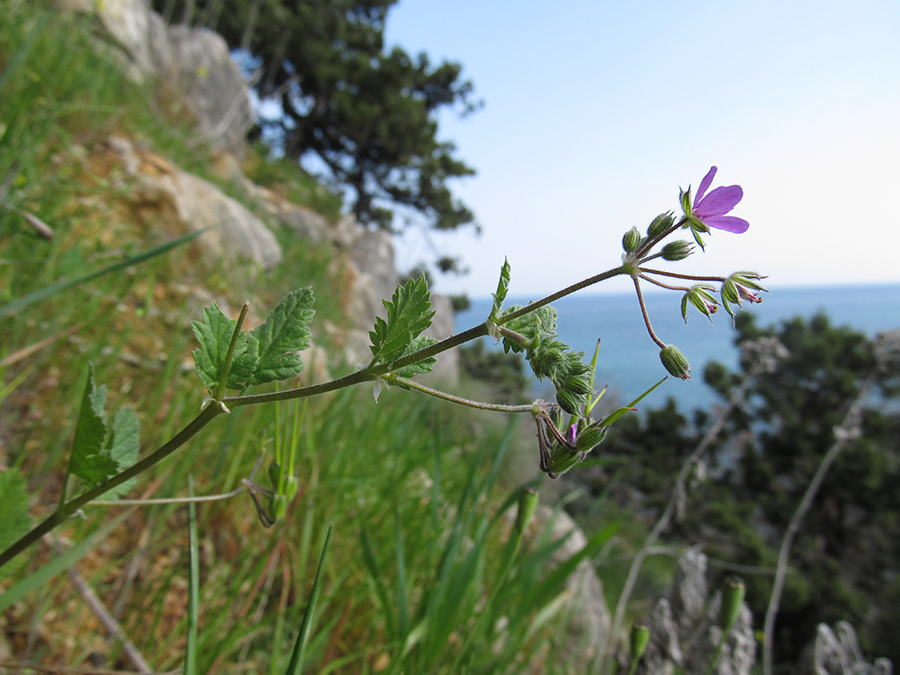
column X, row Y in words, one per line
column 596, row 112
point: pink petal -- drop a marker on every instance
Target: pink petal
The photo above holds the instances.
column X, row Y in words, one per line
column 719, row 201
column 704, row 185
column 727, row 223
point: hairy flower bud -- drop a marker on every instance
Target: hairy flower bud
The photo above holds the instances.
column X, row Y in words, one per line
column 569, row 401
column 677, row 250
column 590, row 438
column 631, row 240
column 640, row 638
column 660, row 224
column 732, row 597
column 562, row 459
column 675, row 362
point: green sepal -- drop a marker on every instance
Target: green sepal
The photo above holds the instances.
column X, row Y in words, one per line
column 640, row 638
column 527, row 505
column 590, row 438
column 562, row 459
column 732, row 597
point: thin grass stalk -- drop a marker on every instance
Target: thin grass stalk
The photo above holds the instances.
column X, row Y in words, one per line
column 191, row 649
column 738, row 396
column 843, row 434
column 299, row 654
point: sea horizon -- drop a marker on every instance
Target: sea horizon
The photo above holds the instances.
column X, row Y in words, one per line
column 629, row 360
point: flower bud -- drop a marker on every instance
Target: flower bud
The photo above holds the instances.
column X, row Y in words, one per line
column 291, row 486
column 275, row 474
column 675, row 362
column 569, row 401
column 660, row 224
column 732, row 597
column 677, row 250
column 277, row 508
column 631, row 240
column 640, row 638
column 590, row 438
column 528, row 501
column 579, row 385
column 562, row 459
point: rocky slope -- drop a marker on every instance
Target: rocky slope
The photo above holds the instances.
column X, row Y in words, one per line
column 197, row 64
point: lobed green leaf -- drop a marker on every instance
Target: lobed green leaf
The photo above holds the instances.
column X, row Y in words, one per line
column 89, row 460
column 284, row 333
column 124, row 444
column 502, row 289
column 408, row 314
column 214, row 334
column 420, row 367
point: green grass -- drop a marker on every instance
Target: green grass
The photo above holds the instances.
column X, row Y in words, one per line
column 421, row 573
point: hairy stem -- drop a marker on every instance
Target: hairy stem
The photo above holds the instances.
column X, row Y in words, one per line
column 640, row 296
column 64, row 511
column 478, row 405
column 676, row 275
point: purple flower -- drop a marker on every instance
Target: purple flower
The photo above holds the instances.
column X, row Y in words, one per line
column 710, row 209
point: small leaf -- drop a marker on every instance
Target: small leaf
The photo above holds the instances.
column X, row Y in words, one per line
column 284, row 333
column 89, row 461
column 214, row 334
column 502, row 288
column 408, row 314
column 124, row 444
column 420, row 367
column 13, row 514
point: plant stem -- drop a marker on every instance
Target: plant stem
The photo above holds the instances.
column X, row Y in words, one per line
column 64, row 511
column 603, row 276
column 496, row 407
column 676, row 275
column 637, row 289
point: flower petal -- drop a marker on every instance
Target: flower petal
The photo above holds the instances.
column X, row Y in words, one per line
column 728, row 223
column 719, row 201
column 704, row 184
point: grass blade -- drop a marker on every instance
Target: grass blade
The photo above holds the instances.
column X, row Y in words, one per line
column 298, row 654
column 53, row 289
column 190, row 652
column 59, row 564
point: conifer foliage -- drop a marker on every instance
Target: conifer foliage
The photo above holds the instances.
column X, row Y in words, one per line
column 368, row 113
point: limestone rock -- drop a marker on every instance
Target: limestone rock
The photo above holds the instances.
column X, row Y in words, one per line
column 685, row 632
column 837, row 652
column 195, row 62
column 198, row 204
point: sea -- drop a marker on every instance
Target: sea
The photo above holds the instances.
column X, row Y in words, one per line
column 629, row 363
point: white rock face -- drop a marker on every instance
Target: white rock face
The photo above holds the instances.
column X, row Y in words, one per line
column 198, row 204
column 195, row 62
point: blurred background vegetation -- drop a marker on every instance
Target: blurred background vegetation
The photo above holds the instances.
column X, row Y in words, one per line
column 416, row 489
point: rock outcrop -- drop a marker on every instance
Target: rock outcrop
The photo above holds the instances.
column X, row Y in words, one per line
column 685, row 631
column 194, row 62
column 197, row 65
